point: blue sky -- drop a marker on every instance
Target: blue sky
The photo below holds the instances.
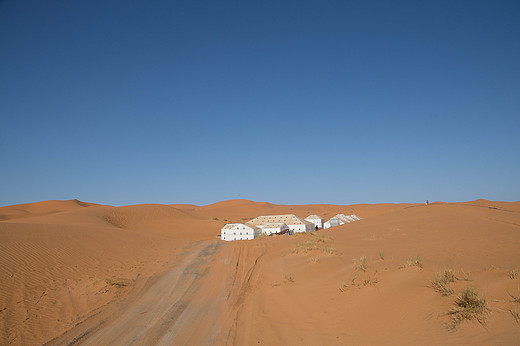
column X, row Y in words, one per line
column 291, row 102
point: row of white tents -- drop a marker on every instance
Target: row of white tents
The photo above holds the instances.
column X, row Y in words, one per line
column 280, row 224
column 341, row 219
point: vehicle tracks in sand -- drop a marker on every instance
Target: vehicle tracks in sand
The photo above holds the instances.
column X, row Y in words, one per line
column 150, row 315
column 199, row 301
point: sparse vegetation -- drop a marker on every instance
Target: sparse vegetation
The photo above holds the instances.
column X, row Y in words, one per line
column 368, row 281
column 513, row 274
column 321, row 238
column 289, row 278
column 315, row 242
column 414, row 261
column 118, row 284
column 465, row 276
column 516, row 299
column 328, row 249
column 442, row 282
column 315, row 259
column 362, row 263
column 304, row 246
column 516, row 314
column 468, row 306
column 215, row 219
column 381, row 255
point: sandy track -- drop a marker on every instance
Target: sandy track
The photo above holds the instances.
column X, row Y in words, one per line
column 153, row 314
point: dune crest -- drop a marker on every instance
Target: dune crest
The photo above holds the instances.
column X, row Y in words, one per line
column 41, row 208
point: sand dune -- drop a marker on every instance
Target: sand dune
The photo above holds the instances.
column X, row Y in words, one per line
column 40, row 208
column 93, row 274
column 327, row 299
column 59, row 262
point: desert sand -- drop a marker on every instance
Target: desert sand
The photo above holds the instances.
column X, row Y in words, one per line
column 76, row 272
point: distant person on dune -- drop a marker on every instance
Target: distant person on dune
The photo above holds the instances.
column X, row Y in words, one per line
column 427, row 203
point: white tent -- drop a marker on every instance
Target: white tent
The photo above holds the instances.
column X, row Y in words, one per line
column 274, row 228
column 332, row 222
column 239, row 231
column 316, row 220
column 341, row 219
column 294, row 223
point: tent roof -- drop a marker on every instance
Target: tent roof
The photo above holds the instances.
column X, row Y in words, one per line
column 289, row 219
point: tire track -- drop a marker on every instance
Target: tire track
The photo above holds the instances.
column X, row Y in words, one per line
column 151, row 313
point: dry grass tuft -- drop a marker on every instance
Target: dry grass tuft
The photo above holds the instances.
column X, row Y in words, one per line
column 516, row 314
column 465, row 276
column 315, row 242
column 328, row 249
column 304, row 246
column 442, row 281
column 289, row 278
column 343, row 287
column 468, row 306
column 322, row 237
column 118, row 283
column 368, row 281
column 362, row 263
column 513, row 274
column 413, row 262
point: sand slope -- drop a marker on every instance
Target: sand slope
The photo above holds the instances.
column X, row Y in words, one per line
column 61, row 262
column 156, row 274
column 40, row 208
column 322, row 298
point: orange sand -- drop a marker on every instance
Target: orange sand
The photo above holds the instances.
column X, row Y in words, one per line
column 156, row 274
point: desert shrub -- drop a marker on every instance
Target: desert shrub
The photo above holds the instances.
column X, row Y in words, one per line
column 468, row 306
column 442, row 280
column 381, row 255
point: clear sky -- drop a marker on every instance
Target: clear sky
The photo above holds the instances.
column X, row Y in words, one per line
column 290, row 102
